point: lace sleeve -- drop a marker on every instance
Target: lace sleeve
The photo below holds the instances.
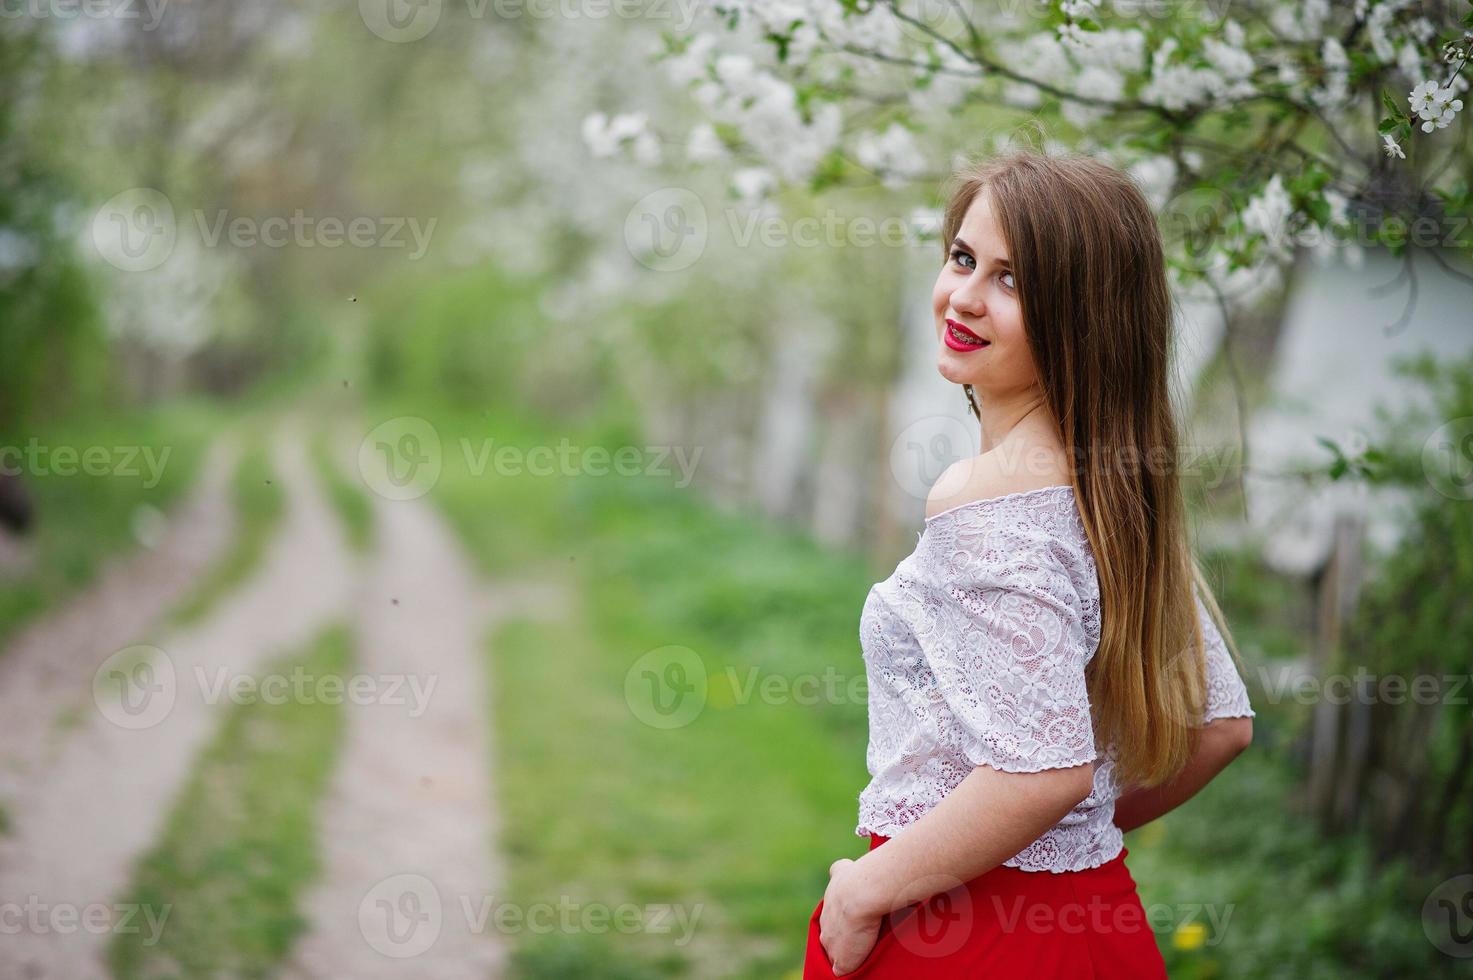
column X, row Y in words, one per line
column 1227, row 697
column 1009, row 657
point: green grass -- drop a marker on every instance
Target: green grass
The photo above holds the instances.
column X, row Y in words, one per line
column 734, row 817
column 82, row 519
column 259, row 505
column 240, row 842
column 1295, row 904
column 347, row 497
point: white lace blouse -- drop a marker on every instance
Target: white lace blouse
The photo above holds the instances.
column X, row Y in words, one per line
column 975, row 649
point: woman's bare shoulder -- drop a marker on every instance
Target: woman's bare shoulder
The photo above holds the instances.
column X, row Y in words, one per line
column 995, row 474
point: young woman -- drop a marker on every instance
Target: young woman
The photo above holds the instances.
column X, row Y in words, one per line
column 1048, row 668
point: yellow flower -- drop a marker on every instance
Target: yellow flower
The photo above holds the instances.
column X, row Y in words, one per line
column 1189, row 936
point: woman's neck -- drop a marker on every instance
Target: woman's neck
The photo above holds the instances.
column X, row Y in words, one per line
column 1022, row 415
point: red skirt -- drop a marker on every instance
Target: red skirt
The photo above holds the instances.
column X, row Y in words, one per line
column 1071, row 925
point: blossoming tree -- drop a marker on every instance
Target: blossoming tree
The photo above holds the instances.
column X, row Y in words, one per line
column 1254, row 128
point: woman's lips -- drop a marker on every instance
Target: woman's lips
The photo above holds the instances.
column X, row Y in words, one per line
column 959, row 338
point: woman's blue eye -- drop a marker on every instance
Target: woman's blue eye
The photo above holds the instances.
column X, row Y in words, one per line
column 1011, row 283
column 957, row 255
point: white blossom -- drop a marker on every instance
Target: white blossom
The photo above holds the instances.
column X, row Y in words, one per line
column 605, row 137
column 753, row 184
column 1234, row 63
column 893, row 154
column 1176, row 86
column 1392, row 147
column 1336, row 87
column 1267, row 215
column 1040, row 57
column 1122, row 50
column 703, row 145
column 1409, row 60
column 1102, row 83
column 1339, row 206
column 690, row 65
column 1434, row 104
column 1309, row 25
column 1155, row 176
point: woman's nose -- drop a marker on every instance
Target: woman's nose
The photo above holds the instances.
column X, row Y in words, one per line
column 968, row 299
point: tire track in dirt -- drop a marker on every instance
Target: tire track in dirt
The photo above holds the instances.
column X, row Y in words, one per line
column 80, row 821
column 47, row 669
column 408, row 831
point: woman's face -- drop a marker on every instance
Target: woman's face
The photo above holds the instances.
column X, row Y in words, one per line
column 977, row 291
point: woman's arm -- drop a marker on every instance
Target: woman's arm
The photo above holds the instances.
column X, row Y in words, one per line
column 1219, row 743
column 988, row 818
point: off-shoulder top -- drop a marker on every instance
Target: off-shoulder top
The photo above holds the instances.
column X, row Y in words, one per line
column 975, row 650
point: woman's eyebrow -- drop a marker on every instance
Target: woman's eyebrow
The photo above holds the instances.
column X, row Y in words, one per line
column 1001, row 260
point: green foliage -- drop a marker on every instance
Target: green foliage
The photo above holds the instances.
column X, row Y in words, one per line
column 1287, row 901
column 82, row 519
column 468, row 339
column 53, row 354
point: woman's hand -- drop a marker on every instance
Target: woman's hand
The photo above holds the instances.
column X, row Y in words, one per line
column 847, row 928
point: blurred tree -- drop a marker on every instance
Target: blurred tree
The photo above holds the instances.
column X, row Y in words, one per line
column 1393, row 742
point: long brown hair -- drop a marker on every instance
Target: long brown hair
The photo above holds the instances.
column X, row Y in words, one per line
column 1091, row 279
